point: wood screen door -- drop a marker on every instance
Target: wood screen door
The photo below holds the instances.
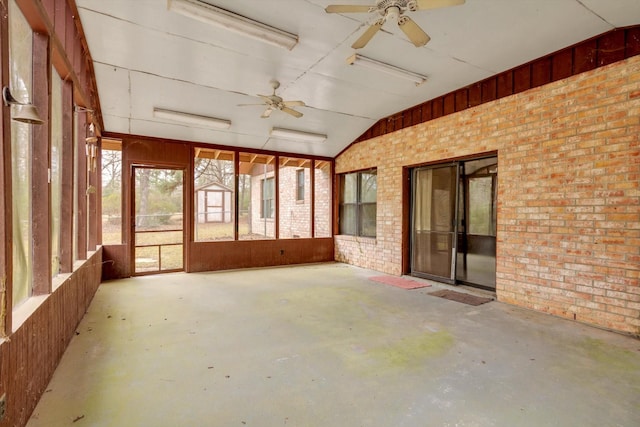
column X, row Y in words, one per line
column 158, row 220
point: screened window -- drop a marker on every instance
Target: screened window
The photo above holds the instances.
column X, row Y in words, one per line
column 20, row 52
column 294, row 211
column 322, row 198
column 111, row 192
column 56, row 169
column 256, row 196
column 358, row 198
column 214, row 194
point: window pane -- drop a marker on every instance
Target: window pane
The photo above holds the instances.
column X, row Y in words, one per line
column 254, row 168
column 349, row 188
column 348, row 219
column 322, row 194
column 111, row 192
column 20, row 48
column 295, row 211
column 214, row 198
column 56, row 169
column 480, row 201
column 368, row 220
column 368, row 187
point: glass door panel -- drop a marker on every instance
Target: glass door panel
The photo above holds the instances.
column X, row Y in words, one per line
column 476, row 263
column 433, row 231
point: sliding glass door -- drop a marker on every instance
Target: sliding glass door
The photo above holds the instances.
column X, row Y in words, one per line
column 453, row 222
column 434, row 222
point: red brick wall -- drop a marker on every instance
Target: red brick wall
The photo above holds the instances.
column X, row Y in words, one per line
column 568, row 238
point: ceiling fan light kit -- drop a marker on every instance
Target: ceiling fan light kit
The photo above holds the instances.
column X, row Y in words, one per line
column 192, row 119
column 297, row 135
column 372, row 64
column 231, row 21
column 394, row 10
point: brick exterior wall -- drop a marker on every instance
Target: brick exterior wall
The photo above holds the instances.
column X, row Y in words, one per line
column 295, row 215
column 568, row 235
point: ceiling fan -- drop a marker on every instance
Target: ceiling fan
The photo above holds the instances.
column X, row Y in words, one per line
column 394, row 10
column 275, row 102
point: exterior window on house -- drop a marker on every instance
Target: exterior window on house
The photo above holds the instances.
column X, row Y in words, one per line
column 294, row 208
column 358, row 198
column 214, row 194
column 322, row 211
column 20, row 54
column 300, row 185
column 256, row 196
column 111, row 154
column 268, row 193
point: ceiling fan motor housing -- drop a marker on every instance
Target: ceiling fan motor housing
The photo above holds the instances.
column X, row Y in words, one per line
column 402, row 5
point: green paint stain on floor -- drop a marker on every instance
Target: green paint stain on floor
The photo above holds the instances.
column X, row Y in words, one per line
column 410, row 352
column 609, row 357
column 360, row 329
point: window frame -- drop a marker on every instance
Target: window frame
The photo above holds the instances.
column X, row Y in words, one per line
column 357, row 207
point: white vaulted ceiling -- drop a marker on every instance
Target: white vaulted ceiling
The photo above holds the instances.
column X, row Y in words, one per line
column 146, row 56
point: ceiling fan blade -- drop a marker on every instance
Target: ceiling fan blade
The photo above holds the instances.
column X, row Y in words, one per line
column 267, row 98
column 347, row 8
column 294, row 113
column 436, row 4
column 367, row 35
column 248, row 105
column 413, row 31
column 266, row 113
column 294, row 104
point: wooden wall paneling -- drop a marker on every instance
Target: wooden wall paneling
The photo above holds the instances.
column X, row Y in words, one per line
column 437, row 106
column 611, row 48
column 504, row 84
column 60, row 20
column 41, row 224
column 6, row 216
column 522, row 78
column 49, row 7
column 70, row 40
column 475, row 95
column 28, row 361
column 407, row 117
column 427, row 111
column 584, row 58
column 562, row 65
column 81, row 183
column 632, row 42
column 212, row 256
column 416, row 115
column 66, row 215
column 489, row 90
column 462, row 99
column 541, row 72
column 449, row 104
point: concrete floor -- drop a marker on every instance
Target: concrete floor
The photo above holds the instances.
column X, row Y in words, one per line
column 321, row 345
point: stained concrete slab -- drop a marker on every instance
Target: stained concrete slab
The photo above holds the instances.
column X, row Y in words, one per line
column 321, row 345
